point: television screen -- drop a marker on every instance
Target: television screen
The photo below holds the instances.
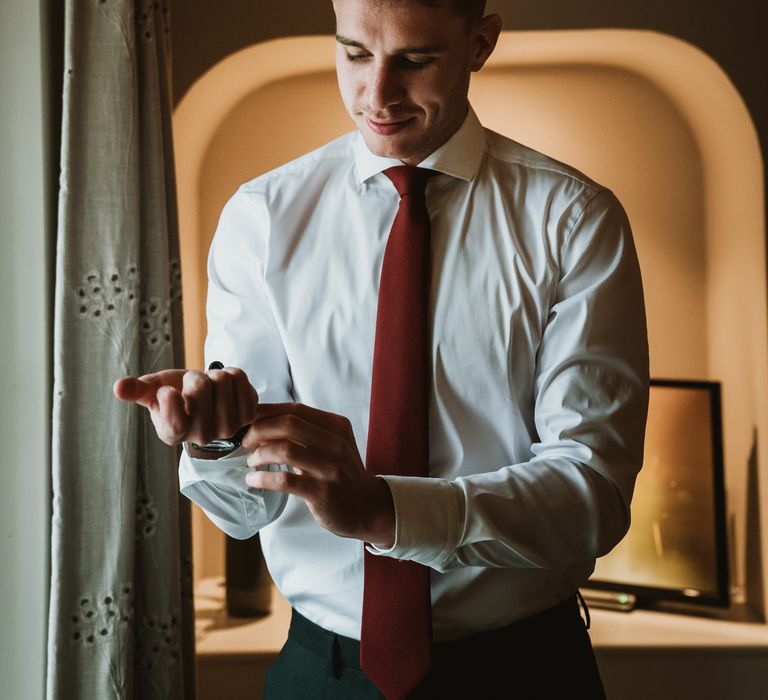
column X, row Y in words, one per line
column 676, row 545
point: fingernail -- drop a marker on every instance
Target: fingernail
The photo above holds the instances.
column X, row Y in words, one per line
column 251, row 480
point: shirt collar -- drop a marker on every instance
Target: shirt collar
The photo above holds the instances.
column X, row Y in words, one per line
column 459, row 156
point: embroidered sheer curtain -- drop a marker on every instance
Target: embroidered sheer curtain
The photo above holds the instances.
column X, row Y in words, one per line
column 121, row 620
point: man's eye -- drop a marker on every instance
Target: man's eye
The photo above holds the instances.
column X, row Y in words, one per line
column 417, row 63
column 357, row 56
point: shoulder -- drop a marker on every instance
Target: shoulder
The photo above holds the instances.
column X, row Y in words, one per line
column 555, row 199
column 515, row 163
column 287, row 195
column 307, row 172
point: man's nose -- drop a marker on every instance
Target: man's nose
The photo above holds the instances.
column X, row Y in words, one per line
column 385, row 88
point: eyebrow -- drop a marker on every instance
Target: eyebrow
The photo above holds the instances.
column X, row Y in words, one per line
column 345, row 41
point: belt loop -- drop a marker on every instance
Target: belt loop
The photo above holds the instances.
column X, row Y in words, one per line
column 333, row 656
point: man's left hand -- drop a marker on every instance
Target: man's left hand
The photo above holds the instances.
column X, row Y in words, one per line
column 327, row 471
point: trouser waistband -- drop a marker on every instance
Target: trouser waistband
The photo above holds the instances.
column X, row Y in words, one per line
column 346, row 650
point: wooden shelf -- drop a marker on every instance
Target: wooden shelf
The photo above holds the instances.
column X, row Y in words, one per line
column 647, row 629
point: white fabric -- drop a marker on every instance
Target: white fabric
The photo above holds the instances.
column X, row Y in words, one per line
column 539, row 370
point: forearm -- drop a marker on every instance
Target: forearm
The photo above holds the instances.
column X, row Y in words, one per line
column 533, row 515
column 544, row 514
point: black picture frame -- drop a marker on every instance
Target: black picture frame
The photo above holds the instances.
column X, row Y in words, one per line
column 719, row 597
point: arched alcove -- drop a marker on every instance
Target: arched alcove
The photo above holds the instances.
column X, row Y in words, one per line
column 648, row 115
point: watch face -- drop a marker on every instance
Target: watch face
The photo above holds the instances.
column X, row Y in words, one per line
column 217, row 446
column 223, row 444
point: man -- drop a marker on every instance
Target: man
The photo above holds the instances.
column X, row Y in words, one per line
column 537, row 382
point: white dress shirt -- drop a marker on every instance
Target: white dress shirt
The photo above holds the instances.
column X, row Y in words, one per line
column 539, row 365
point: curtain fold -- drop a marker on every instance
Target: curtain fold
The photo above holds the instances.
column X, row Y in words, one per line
column 121, row 621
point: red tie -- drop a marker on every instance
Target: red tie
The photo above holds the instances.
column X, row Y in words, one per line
column 396, row 636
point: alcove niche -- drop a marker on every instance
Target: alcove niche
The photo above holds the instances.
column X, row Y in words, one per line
column 648, row 115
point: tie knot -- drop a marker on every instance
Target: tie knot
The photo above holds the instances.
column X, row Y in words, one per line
column 408, row 179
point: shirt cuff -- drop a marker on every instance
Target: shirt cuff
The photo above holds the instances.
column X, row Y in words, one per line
column 426, row 520
column 218, row 487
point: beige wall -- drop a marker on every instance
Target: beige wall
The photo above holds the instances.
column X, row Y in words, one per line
column 731, row 31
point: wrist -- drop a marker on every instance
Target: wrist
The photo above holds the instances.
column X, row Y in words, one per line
column 380, row 516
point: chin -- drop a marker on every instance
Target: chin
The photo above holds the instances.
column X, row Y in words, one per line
column 387, row 148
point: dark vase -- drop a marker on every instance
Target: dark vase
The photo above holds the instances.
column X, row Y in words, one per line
column 248, row 585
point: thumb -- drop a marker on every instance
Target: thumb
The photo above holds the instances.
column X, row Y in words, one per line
column 136, row 391
column 143, row 390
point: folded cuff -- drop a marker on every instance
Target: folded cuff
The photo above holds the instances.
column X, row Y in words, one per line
column 218, row 487
column 426, row 520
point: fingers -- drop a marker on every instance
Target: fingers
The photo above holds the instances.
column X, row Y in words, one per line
column 297, row 456
column 170, row 419
column 233, row 401
column 324, row 420
column 300, row 443
column 280, row 481
column 286, row 426
column 198, row 405
column 245, row 395
column 237, row 398
column 192, row 405
column 326, row 469
column 219, row 403
column 226, row 413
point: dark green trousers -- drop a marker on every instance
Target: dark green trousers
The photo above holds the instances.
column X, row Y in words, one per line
column 545, row 657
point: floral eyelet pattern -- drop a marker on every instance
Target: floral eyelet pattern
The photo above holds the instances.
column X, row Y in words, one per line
column 99, row 618
column 102, row 296
column 147, row 515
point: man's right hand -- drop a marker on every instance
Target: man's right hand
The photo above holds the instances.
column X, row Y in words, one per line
column 193, row 406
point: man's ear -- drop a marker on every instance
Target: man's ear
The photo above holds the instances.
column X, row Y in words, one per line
column 485, row 35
